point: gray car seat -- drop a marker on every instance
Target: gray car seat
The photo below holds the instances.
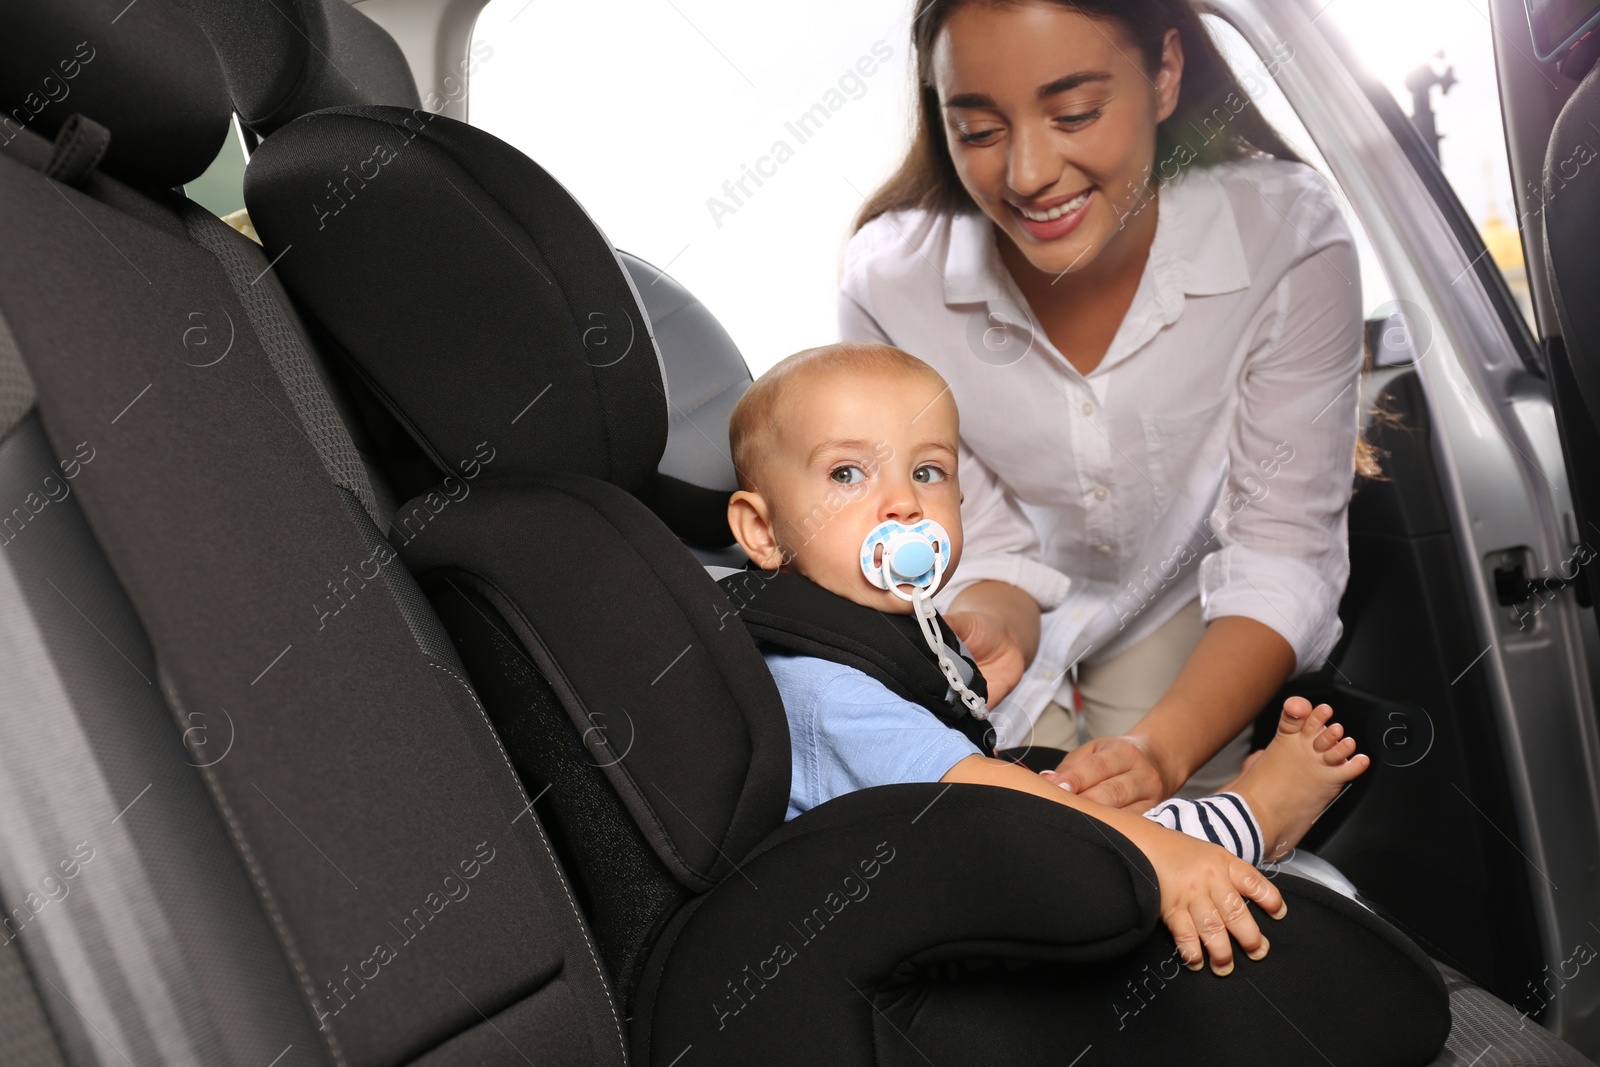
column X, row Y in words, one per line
column 215, row 572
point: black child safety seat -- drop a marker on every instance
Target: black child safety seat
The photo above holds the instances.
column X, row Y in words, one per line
column 645, row 725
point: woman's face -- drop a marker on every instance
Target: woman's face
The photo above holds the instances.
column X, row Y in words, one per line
column 1051, row 119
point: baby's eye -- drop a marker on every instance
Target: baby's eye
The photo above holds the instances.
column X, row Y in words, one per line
column 927, row 474
column 848, row 475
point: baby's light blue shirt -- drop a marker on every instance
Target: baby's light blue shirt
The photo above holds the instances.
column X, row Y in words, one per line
column 847, row 731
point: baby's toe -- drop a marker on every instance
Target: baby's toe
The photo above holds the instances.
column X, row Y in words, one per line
column 1340, row 753
column 1354, row 766
column 1295, row 712
column 1328, row 737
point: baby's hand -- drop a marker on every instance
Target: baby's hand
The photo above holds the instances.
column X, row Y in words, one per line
column 1203, row 893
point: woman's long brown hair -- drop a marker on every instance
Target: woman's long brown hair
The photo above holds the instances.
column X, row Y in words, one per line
column 1215, row 121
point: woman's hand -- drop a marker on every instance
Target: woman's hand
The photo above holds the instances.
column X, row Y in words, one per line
column 1203, row 894
column 999, row 624
column 998, row 654
column 1237, row 665
column 1119, row 772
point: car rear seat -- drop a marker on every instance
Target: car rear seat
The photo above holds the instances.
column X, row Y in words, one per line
column 222, row 575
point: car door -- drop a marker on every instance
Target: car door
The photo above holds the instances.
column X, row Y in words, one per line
column 1480, row 830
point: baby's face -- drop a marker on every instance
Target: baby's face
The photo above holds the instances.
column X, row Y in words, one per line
column 852, row 450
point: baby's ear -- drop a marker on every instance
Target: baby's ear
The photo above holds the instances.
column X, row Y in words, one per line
column 750, row 519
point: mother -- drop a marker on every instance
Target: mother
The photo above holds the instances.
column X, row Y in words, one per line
column 1149, row 311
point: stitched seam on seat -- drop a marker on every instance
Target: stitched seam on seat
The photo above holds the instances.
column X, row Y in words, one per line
column 268, row 900
column 583, row 927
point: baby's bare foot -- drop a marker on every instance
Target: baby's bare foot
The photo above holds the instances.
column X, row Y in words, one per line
column 1297, row 776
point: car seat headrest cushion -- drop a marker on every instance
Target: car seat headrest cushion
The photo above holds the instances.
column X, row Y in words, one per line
column 290, row 57
column 470, row 289
column 144, row 71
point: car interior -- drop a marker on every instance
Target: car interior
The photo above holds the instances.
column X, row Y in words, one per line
column 369, row 699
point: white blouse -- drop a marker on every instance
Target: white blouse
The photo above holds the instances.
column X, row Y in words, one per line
column 1211, row 453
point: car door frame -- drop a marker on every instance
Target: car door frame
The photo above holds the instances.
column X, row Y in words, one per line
column 1500, row 461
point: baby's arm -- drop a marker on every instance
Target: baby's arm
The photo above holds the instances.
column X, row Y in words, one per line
column 1202, row 886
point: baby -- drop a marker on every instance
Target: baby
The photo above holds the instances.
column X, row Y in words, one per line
column 834, row 441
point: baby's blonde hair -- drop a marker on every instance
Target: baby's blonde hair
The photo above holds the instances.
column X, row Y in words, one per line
column 750, row 425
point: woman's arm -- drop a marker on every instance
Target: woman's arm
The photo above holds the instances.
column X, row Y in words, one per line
column 1271, row 590
column 1227, row 679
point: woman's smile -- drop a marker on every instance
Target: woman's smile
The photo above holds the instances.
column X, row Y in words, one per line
column 1054, row 218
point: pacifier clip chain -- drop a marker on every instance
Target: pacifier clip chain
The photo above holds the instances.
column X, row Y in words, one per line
column 922, row 604
column 899, row 558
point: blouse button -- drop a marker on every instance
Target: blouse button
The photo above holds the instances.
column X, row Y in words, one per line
column 1088, row 408
column 1100, row 493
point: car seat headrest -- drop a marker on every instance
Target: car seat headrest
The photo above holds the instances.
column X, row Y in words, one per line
column 144, row 71
column 471, row 291
column 287, row 58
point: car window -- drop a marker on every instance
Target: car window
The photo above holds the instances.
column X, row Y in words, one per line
column 736, row 165
column 220, row 189
column 1438, row 56
column 1389, row 330
column 726, row 142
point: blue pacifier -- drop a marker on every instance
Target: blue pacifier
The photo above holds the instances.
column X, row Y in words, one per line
column 895, row 555
column 909, row 561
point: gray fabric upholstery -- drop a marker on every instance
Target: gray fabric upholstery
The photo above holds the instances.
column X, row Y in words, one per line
column 705, row 375
column 364, row 774
column 285, row 58
column 141, row 70
column 285, row 344
column 16, row 385
column 25, row 1034
column 157, row 937
column 1486, row 1032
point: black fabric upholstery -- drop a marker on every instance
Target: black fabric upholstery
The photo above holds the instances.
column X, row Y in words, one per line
column 695, row 513
column 285, row 58
column 624, row 889
column 634, row 632
column 865, row 914
column 359, row 761
column 141, row 70
column 1392, row 1007
column 521, row 328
